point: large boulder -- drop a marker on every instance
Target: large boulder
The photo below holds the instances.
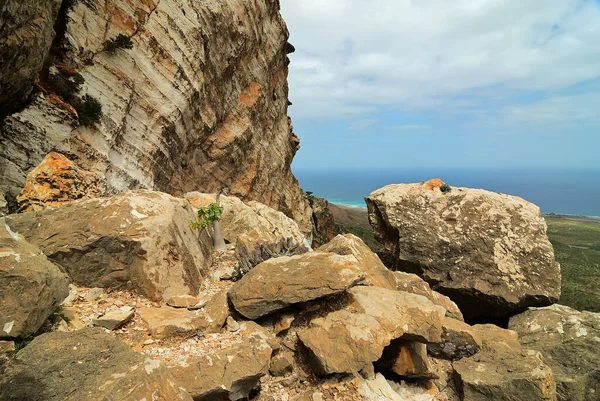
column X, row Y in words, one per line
column 570, row 343
column 31, row 286
column 322, row 216
column 347, row 340
column 139, row 240
column 86, row 364
column 278, row 283
column 258, row 231
column 488, row 252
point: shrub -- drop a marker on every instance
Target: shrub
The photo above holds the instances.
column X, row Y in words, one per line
column 119, row 42
column 445, row 188
column 207, row 216
column 89, row 110
column 65, row 87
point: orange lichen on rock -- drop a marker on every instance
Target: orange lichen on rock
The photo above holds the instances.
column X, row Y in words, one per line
column 433, row 184
column 251, row 94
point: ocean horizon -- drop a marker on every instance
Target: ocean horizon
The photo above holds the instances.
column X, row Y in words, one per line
column 561, row 191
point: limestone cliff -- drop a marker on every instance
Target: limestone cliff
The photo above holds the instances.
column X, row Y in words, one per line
column 200, row 101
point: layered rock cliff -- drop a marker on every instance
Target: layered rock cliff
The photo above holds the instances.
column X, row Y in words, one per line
column 199, row 101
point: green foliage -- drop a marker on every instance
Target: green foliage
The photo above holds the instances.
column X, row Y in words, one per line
column 311, row 198
column 446, row 188
column 121, row 41
column 207, row 216
column 65, row 87
column 88, row 109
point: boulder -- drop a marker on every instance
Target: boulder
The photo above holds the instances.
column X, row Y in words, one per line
column 57, row 180
column 115, row 319
column 570, row 343
column 89, row 365
column 347, row 340
column 169, row 322
column 459, row 340
column 323, row 224
column 229, row 374
column 216, row 312
column 408, row 359
column 278, row 283
column 31, row 287
column 488, row 252
column 259, row 232
column 137, row 240
column 282, row 364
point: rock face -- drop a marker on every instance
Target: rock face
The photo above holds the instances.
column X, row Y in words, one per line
column 139, row 240
column 570, row 343
column 324, row 226
column 199, row 102
column 278, row 283
column 26, row 35
column 31, row 287
column 97, row 366
column 258, row 231
column 488, row 252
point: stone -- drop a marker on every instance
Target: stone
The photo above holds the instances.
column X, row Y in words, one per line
column 229, row 374
column 282, row 364
column 459, row 340
column 569, row 340
column 488, row 252
column 252, row 329
column 115, row 319
column 494, row 338
column 232, row 325
column 216, row 312
column 322, row 216
column 72, row 297
column 95, row 294
column 58, row 180
column 347, row 340
column 408, row 359
column 32, row 286
column 185, row 301
column 278, row 283
column 74, row 366
column 26, row 34
column 169, row 322
column 283, row 322
column 7, row 348
column 136, row 240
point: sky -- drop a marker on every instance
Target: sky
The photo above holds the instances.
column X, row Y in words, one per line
column 439, row 83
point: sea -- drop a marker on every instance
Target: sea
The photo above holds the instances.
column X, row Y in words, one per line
column 560, row 191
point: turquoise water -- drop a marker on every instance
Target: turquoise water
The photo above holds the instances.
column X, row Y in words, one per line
column 561, row 191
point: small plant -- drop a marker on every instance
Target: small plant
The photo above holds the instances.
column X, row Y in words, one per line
column 65, row 87
column 121, row 41
column 311, row 198
column 445, row 188
column 207, row 216
column 89, row 110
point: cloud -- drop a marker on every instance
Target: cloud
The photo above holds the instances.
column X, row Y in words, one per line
column 361, row 57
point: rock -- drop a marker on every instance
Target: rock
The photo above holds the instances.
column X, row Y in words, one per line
column 282, row 364
column 488, row 252
column 216, row 312
column 570, row 343
column 226, row 273
column 185, row 301
column 115, row 318
column 72, row 297
column 169, row 322
column 95, row 294
column 283, row 322
column 495, row 338
column 459, row 340
column 96, row 366
column 408, row 359
column 32, row 286
column 57, row 180
column 7, row 348
column 322, row 216
column 348, row 339
column 278, row 283
column 259, row 232
column 26, row 34
column 230, row 374
column 138, row 240
column 232, row 325
column 251, row 329
column 380, row 389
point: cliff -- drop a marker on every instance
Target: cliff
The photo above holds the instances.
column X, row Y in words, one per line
column 198, row 102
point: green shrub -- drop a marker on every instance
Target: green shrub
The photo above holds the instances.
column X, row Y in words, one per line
column 119, row 42
column 65, row 87
column 207, row 216
column 445, row 188
column 89, row 110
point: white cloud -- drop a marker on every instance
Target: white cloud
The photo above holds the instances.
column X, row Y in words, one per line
column 356, row 57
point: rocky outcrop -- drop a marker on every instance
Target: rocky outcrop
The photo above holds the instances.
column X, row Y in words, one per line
column 57, row 180
column 139, row 240
column 31, row 287
column 86, row 365
column 488, row 252
column 199, row 102
column 324, row 226
column 570, row 343
column 459, row 340
column 278, row 283
column 258, row 231
column 26, row 34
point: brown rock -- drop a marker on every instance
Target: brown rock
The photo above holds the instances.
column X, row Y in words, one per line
column 408, row 359
column 168, row 322
column 324, row 226
column 138, row 240
column 55, row 181
column 488, row 252
column 184, row 301
column 278, row 283
column 31, row 286
column 115, row 318
column 283, row 322
column 459, row 340
column 349, row 339
column 282, row 364
column 216, row 312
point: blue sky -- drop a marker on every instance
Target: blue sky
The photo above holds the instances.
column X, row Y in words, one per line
column 462, row 83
